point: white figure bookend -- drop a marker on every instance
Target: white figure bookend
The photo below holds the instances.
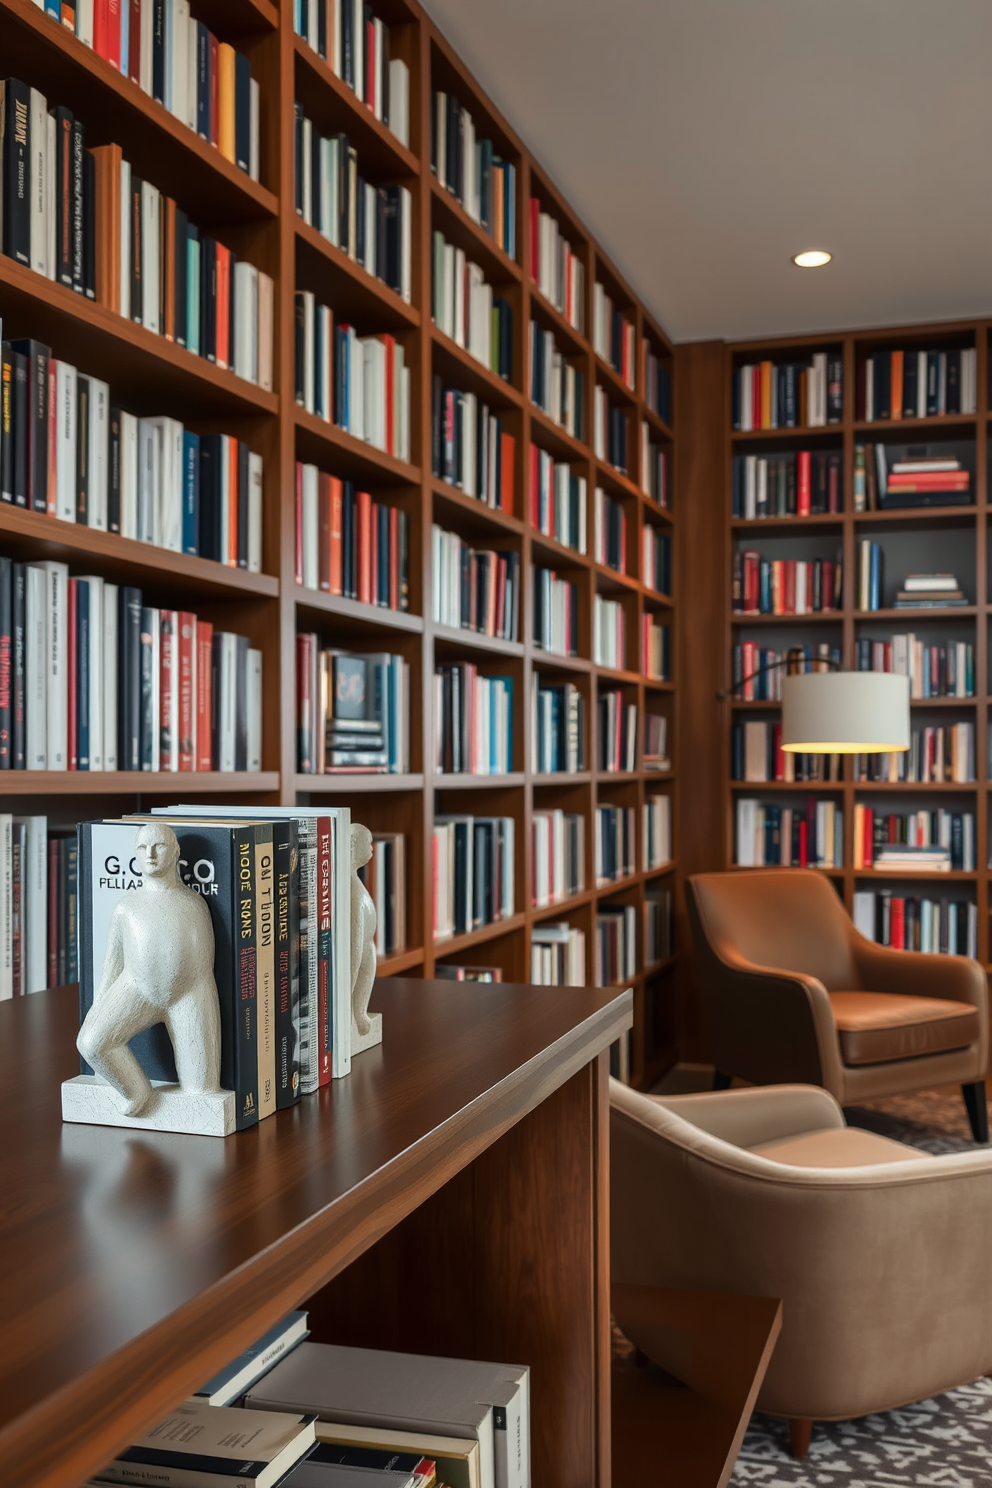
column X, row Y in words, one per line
column 158, row 968
column 366, row 1027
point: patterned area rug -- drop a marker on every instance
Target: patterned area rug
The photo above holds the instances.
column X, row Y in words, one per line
column 941, row 1443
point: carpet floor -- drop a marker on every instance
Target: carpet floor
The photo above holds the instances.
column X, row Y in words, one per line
column 941, row 1443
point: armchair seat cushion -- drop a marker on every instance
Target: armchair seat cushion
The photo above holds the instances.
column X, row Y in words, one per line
column 877, row 1027
column 835, row 1147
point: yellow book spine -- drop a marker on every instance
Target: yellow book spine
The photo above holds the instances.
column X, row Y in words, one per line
column 225, row 99
column 766, row 395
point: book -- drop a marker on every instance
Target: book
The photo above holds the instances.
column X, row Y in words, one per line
column 249, row 1367
column 341, row 1466
column 199, row 1444
column 412, row 1392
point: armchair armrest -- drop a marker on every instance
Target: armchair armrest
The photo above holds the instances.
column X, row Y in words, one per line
column 953, row 978
column 761, row 1114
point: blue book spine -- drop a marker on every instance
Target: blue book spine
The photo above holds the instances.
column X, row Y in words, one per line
column 125, row 13
column 82, row 674
column 54, row 9
column 875, row 585
column 191, row 493
column 193, row 290
column 765, row 587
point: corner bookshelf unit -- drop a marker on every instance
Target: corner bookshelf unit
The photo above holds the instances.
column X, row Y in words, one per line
column 925, row 538
column 259, row 219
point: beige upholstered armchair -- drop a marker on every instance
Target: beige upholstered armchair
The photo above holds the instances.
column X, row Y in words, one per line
column 881, row 1256
column 794, row 992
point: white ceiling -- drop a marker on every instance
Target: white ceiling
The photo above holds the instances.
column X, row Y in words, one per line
column 706, row 141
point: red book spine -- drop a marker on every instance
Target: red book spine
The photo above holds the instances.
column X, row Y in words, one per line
column 802, row 484
column 324, row 530
column 897, row 932
column 53, row 418
column 324, row 971
column 101, row 28
column 134, row 41
column 223, row 343
column 336, row 498
column 72, row 667
column 186, row 626
column 508, row 447
column 114, row 32
column 167, row 681
column 370, row 65
column 534, row 484
column 394, row 558
column 298, row 554
column 204, row 751
column 868, row 837
column 364, row 546
column 803, row 845
column 214, row 91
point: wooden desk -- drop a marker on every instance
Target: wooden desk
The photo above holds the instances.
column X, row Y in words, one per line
column 456, row 1185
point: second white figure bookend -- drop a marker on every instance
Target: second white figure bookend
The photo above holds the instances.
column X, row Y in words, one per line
column 158, row 969
column 366, row 1027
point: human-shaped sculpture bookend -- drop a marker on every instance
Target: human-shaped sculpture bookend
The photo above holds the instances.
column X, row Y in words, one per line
column 158, row 968
column 366, row 1027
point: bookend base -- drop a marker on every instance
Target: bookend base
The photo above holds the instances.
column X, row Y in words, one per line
column 362, row 1041
column 90, row 1100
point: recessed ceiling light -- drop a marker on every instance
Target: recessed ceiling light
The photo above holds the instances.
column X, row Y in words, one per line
column 815, row 258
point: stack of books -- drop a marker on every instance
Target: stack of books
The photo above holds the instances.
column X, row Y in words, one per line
column 614, row 337
column 204, row 1443
column 930, row 591
column 446, row 971
column 926, row 480
column 903, row 384
column 557, row 271
column 472, row 872
column 789, row 395
column 616, row 944
column 484, row 184
column 38, row 904
column 558, row 727
column 353, row 712
column 557, row 955
column 920, row 841
column 558, row 856
column 557, row 500
column 908, row 923
column 656, row 743
column 354, row 42
column 902, row 858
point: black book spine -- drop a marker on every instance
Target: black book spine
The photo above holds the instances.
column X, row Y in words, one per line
column 20, row 442
column 36, row 359
column 71, row 880
column 15, row 120
column 287, row 955
column 63, row 196
column 7, row 423
column 6, row 657
column 89, row 225
column 210, row 503
column 78, row 209
column 158, row 50
column 82, row 450
column 114, row 472
column 246, row 1086
column 208, row 299
column 299, row 358
column 202, row 80
column 243, row 483
column 17, row 621
column 129, row 682
column 242, row 111
column 241, row 704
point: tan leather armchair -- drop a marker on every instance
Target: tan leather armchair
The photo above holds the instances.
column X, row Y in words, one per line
column 881, row 1255
column 794, row 992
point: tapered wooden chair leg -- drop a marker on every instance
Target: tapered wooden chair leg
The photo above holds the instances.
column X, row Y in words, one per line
column 720, row 1080
column 800, row 1436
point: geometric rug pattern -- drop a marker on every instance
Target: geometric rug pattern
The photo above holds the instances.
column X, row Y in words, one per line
column 941, row 1443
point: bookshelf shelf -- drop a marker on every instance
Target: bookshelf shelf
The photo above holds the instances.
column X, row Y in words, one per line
column 175, row 784
column 402, row 961
column 451, row 218
column 912, row 517
column 353, row 457
column 450, row 638
column 354, row 292
column 826, row 522
column 471, row 507
column 656, row 422
column 356, row 784
column 618, row 388
column 319, row 89
column 561, row 778
column 956, row 875
column 951, row 787
column 957, row 422
column 449, row 782
column 455, row 944
column 572, row 343
column 376, row 616
column 547, row 549
column 546, row 660
column 552, row 437
column 609, row 475
column 920, row 616
column 458, row 366
column 815, row 617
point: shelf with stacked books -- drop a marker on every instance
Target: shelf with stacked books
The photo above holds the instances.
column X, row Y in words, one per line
column 910, row 531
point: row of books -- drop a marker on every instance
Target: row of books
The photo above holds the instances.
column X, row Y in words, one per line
column 877, row 833
column 655, row 654
column 354, row 42
column 656, row 559
column 471, row 448
column 655, row 756
column 905, row 384
column 918, row 592
column 786, row 586
column 472, row 865
column 360, row 383
column 384, row 875
column 558, row 856
column 96, row 680
column 473, row 721
column 285, row 996
column 936, row 754
column 349, row 545
column 614, row 336
column 371, row 224
column 557, row 271
column 558, row 728
column 557, row 955
column 556, row 613
column 789, row 836
column 616, row 733
column 479, row 179
column 610, row 532
column 657, row 385
column 763, row 669
column 353, row 711
column 654, row 468
column 657, row 832
column 475, row 589
column 557, row 500
column 464, row 308
column 557, row 386
column 175, row 59
column 609, row 633
column 934, row 670
column 67, row 450
column 757, row 755
column 805, row 483
column 614, row 848
column 609, row 431
column 919, row 479
column 789, row 395
column 910, row 922
column 38, row 905
column 616, row 944
column 659, row 937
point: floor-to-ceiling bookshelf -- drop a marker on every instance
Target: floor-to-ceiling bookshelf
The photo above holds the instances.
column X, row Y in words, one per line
column 923, row 539
column 260, row 221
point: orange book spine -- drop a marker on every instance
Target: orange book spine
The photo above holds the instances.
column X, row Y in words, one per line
column 107, row 223
column 223, row 308
column 895, row 386
column 187, row 679
column 507, row 452
column 394, row 558
column 336, row 565
column 225, row 100
column 204, row 695
column 364, row 547
column 232, row 503
column 766, row 395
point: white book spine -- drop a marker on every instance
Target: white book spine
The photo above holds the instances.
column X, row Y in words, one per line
column 110, row 672
column 56, row 665
column 35, row 671
column 254, row 711
column 99, row 439
column 172, row 485
column 97, row 676
column 65, row 441
column 6, row 906
column 265, row 348
column 84, row 27
column 254, row 130
column 180, row 65
column 51, row 155
column 254, row 513
column 150, row 208
column 37, row 174
column 34, row 899
column 191, row 74
column 125, row 291
column 146, row 47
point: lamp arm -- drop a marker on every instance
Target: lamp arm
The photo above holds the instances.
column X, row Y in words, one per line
column 792, row 657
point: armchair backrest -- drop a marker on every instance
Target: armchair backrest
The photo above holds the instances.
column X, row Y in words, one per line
column 789, row 919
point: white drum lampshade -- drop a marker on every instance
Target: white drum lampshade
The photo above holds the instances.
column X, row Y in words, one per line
column 845, row 713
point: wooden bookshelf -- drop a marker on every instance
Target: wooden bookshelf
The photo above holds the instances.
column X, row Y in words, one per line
column 958, row 532
column 152, row 375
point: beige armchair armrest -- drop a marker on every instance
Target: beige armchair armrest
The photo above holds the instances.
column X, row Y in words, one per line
column 763, row 1114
